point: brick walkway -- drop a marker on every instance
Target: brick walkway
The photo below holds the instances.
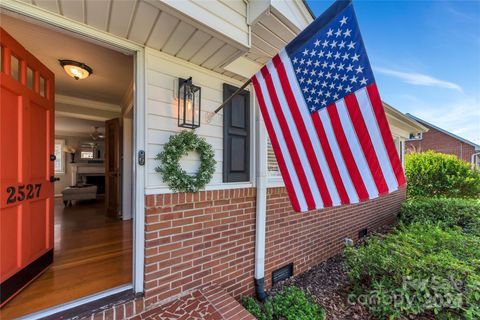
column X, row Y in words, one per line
column 210, row 303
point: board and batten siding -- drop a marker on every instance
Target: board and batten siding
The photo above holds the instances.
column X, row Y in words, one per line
column 161, row 75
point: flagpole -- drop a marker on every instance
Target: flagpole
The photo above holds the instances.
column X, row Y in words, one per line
column 212, row 114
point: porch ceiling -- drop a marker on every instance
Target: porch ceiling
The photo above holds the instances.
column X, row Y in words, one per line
column 149, row 25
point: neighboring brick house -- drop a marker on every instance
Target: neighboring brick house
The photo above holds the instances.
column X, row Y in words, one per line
column 440, row 140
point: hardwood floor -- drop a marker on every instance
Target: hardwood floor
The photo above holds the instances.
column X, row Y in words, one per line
column 92, row 253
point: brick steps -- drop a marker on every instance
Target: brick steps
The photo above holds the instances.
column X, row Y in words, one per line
column 209, row 303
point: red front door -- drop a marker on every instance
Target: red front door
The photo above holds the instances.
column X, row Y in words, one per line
column 26, row 143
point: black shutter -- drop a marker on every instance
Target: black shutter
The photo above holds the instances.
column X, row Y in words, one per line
column 236, row 136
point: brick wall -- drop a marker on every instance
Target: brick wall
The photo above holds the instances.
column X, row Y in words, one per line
column 306, row 239
column 193, row 240
column 441, row 142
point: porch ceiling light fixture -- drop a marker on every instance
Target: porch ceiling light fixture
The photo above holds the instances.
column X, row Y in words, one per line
column 189, row 106
column 76, row 70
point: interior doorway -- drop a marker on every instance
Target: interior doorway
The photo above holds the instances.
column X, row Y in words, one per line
column 89, row 167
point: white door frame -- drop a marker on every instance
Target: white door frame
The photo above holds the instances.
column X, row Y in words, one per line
column 138, row 190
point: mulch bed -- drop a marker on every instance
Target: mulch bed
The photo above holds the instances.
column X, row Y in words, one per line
column 328, row 283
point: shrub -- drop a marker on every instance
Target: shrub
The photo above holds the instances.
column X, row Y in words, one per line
column 415, row 270
column 445, row 212
column 291, row 303
column 431, row 174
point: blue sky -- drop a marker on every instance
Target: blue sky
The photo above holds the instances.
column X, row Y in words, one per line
column 426, row 58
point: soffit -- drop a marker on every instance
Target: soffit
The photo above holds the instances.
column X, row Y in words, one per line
column 148, row 25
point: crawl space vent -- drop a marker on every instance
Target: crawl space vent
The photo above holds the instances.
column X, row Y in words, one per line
column 282, row 273
column 362, row 233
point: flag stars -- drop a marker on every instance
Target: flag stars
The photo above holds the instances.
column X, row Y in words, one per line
column 336, row 55
column 313, row 91
column 344, row 57
column 343, row 21
column 329, row 32
column 316, row 101
column 316, row 63
column 338, row 33
column 302, row 80
column 336, row 76
column 313, row 72
column 324, row 64
column 324, row 103
column 295, row 60
column 345, row 78
column 363, row 82
column 305, row 71
column 348, row 89
column 335, row 96
column 312, row 109
column 316, row 43
column 325, row 44
column 309, row 99
column 324, row 84
column 328, row 75
column 298, row 70
column 353, row 79
column 350, row 68
column 302, row 61
column 313, row 53
column 305, row 52
column 333, row 44
column 332, row 86
column 309, row 62
column 305, row 90
column 328, row 94
column 340, row 87
column 321, row 54
column 329, row 54
column 332, row 65
column 355, row 57
column 351, row 45
column 347, row 33
column 359, row 69
column 342, row 44
column 309, row 81
column 317, row 82
column 340, row 66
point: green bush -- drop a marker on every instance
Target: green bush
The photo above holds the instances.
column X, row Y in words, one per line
column 445, row 212
column 291, row 303
column 417, row 269
column 431, row 174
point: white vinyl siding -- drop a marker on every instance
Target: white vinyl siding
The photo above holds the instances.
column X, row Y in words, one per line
column 162, row 73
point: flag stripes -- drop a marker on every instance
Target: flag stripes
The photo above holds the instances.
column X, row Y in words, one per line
column 341, row 154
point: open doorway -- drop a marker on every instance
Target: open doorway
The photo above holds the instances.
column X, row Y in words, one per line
column 91, row 166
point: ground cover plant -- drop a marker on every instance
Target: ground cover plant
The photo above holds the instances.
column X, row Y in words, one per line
column 291, row 303
column 417, row 269
column 431, row 174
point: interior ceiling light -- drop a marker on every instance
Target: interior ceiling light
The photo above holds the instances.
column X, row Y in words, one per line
column 96, row 135
column 76, row 70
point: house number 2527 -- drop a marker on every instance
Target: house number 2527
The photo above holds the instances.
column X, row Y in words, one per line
column 23, row 192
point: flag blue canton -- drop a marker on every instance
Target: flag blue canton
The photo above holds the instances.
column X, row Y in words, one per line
column 332, row 62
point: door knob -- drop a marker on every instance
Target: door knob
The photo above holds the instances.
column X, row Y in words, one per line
column 53, row 179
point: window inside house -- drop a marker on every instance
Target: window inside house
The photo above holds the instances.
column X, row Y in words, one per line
column 59, row 165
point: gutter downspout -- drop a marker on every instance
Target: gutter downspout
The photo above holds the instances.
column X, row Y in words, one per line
column 261, row 212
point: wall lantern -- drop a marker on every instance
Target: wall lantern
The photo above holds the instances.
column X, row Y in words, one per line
column 76, row 70
column 189, row 106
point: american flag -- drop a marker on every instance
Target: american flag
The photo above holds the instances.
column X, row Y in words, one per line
column 324, row 116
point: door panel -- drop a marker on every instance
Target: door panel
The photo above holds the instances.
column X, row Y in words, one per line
column 112, row 166
column 26, row 193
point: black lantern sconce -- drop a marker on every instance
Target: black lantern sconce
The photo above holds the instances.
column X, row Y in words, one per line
column 189, row 106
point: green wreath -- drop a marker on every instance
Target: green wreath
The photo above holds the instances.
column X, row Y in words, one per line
column 177, row 146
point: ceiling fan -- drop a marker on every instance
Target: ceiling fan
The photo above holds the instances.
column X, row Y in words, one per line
column 97, row 135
